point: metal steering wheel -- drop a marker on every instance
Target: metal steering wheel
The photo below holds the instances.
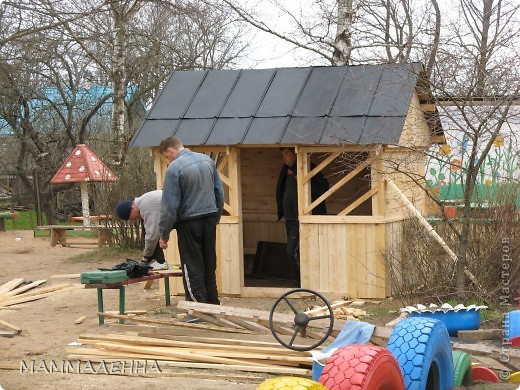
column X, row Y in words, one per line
column 301, row 320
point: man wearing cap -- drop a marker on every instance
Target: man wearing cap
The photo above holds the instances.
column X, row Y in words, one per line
column 147, row 208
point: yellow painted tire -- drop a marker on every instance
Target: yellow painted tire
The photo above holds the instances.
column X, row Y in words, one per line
column 514, row 377
column 290, row 383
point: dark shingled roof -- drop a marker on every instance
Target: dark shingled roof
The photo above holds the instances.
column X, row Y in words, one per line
column 364, row 104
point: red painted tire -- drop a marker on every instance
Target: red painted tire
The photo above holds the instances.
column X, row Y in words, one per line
column 483, row 374
column 362, row 367
column 515, row 341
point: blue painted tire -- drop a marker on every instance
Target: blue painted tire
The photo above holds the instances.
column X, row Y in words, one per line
column 423, row 350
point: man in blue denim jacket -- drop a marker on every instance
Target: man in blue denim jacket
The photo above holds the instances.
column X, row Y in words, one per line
column 192, row 203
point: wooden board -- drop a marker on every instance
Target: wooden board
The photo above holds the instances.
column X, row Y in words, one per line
column 6, row 287
column 171, row 323
column 10, row 327
column 22, row 289
column 481, row 334
column 489, row 362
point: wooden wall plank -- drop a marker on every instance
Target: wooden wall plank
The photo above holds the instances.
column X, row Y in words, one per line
column 351, row 259
column 230, row 264
column 342, row 260
column 360, row 259
column 380, row 269
column 322, row 239
column 313, row 276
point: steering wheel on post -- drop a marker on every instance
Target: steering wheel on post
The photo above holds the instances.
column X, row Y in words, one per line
column 301, row 319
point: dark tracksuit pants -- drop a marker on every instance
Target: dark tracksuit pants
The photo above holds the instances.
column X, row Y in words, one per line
column 292, row 228
column 196, row 240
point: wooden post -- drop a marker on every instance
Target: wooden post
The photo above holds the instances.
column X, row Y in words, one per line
column 84, row 203
column 377, row 182
column 304, row 190
column 230, row 251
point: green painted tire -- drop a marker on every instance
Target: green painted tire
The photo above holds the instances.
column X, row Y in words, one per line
column 461, row 368
column 290, row 383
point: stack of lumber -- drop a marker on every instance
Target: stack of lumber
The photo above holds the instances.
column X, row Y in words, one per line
column 239, row 339
column 17, row 291
column 233, row 338
column 191, row 351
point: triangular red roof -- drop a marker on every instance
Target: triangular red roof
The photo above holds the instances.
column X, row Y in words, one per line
column 83, row 165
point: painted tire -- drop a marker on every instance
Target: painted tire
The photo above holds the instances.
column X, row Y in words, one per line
column 515, row 341
column 362, row 367
column 290, row 383
column 514, row 377
column 461, row 368
column 422, row 348
column 483, row 374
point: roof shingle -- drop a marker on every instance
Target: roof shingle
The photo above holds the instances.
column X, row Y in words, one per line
column 361, row 104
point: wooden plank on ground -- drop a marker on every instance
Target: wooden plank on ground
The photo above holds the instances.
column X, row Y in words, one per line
column 226, row 341
column 488, row 349
column 253, row 326
column 6, row 287
column 260, row 315
column 170, row 352
column 32, row 295
column 10, row 327
column 481, row 334
column 65, row 276
column 80, row 320
column 214, row 320
column 265, row 369
column 488, row 362
column 213, row 345
column 9, row 366
column 324, row 309
column 25, row 288
column 173, row 323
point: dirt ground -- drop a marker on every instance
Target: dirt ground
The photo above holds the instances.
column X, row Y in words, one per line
column 48, row 324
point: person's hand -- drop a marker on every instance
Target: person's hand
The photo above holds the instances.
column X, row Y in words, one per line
column 163, row 243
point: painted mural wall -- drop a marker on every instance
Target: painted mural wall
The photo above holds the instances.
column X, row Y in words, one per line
column 448, row 163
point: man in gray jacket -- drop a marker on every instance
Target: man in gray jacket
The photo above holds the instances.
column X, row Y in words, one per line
column 192, row 203
column 147, row 208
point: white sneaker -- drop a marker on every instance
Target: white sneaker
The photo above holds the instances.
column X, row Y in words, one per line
column 158, row 266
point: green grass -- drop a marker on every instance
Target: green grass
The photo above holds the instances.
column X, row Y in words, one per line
column 26, row 220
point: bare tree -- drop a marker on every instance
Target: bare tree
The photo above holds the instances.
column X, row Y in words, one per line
column 470, row 50
column 158, row 37
column 353, row 31
column 478, row 82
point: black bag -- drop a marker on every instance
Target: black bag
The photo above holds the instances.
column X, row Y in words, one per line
column 133, row 268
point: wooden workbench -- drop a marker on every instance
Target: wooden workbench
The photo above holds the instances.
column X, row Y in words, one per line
column 121, row 286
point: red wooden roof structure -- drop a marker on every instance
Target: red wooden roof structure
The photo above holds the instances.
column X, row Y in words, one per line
column 83, row 166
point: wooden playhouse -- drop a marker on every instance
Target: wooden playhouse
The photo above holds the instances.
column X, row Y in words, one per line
column 359, row 125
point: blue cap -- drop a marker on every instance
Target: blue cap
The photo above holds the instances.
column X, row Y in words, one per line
column 123, row 209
